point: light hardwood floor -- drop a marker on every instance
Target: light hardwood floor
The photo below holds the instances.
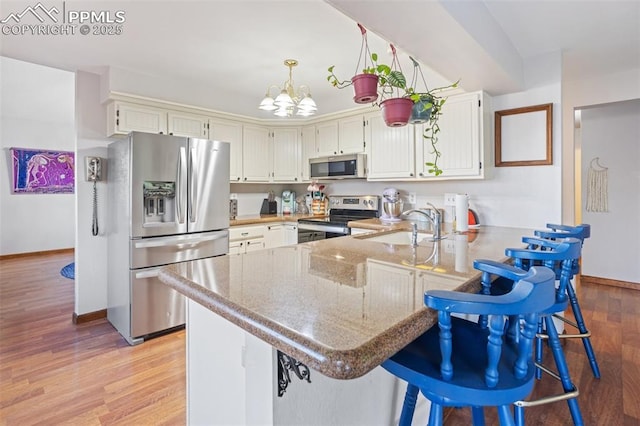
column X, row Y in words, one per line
column 53, row 372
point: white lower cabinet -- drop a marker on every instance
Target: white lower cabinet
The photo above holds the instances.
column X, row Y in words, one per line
column 290, row 234
column 274, row 235
column 243, row 239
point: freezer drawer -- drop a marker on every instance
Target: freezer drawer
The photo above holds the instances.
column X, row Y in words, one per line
column 154, row 306
column 147, row 252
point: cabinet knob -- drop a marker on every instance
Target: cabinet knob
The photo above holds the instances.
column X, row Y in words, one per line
column 421, row 174
column 245, row 178
column 295, row 179
column 238, row 178
column 341, row 152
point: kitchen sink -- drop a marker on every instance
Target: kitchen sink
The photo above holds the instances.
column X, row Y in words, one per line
column 398, row 238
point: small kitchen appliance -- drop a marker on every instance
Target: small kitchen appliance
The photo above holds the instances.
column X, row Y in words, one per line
column 391, row 205
column 288, row 202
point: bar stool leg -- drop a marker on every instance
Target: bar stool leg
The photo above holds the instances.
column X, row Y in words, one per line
column 563, row 370
column 586, row 341
column 409, row 405
column 539, row 348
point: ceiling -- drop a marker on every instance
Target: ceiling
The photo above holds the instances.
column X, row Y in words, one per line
column 223, row 54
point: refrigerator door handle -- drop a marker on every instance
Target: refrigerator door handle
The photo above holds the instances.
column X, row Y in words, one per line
column 193, row 187
column 173, row 241
column 180, row 186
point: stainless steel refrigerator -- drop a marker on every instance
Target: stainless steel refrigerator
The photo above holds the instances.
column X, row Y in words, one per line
column 168, row 203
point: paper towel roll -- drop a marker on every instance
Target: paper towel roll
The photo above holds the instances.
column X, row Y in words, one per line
column 462, row 212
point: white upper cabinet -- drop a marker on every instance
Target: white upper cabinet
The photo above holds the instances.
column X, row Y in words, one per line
column 460, row 141
column 229, row 131
column 343, row 136
column 270, row 155
column 286, row 155
column 188, row 125
column 390, row 150
column 326, row 139
column 256, row 154
column 308, row 150
column 351, row 135
column 123, row 118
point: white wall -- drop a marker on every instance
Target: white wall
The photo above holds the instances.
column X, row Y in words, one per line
column 611, row 132
column 91, row 251
column 37, row 111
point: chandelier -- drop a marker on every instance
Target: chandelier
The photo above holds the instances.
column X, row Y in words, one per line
column 289, row 102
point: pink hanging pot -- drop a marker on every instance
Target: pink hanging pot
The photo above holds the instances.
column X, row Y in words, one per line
column 396, row 111
column 365, row 87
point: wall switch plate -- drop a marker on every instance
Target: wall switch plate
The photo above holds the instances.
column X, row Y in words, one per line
column 412, row 198
column 449, row 199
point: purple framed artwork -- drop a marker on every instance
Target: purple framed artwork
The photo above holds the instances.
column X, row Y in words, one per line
column 42, row 171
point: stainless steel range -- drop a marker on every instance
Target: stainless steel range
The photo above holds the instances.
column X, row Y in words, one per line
column 342, row 210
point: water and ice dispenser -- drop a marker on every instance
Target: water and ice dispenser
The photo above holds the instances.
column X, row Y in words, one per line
column 159, row 202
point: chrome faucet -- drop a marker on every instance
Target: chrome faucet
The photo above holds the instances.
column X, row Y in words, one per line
column 435, row 219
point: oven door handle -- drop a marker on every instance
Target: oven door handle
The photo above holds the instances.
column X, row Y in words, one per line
column 324, row 228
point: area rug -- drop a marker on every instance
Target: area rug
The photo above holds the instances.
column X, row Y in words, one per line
column 69, row 271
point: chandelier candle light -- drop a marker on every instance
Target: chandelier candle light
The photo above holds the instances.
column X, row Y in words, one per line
column 289, row 101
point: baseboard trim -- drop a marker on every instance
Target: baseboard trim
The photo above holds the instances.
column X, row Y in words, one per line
column 88, row 317
column 37, row 253
column 587, row 279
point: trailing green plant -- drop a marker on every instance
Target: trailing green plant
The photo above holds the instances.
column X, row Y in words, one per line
column 372, row 69
column 432, row 128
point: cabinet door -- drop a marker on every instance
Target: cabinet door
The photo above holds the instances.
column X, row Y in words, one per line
column 188, row 125
column 391, row 153
column 228, row 131
column 132, row 117
column 256, row 154
column 286, row 155
column 351, row 135
column 459, row 139
column 290, row 234
column 308, row 148
column 327, row 139
column 254, row 244
column 274, row 236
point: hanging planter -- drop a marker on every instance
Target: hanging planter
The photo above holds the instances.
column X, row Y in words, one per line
column 365, row 84
column 396, row 111
column 421, row 111
column 423, row 101
column 365, row 87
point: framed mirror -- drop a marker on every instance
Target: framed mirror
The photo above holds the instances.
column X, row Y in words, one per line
column 524, row 136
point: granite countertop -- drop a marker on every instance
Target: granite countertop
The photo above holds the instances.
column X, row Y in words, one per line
column 341, row 305
column 256, row 219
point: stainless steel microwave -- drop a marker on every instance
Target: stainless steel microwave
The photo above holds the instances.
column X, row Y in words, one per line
column 348, row 166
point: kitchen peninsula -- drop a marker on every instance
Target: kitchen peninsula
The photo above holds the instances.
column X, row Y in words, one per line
column 339, row 307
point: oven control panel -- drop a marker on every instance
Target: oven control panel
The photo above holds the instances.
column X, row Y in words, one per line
column 354, row 202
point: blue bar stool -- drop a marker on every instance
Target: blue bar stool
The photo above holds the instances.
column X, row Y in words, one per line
column 580, row 232
column 559, row 256
column 476, row 366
